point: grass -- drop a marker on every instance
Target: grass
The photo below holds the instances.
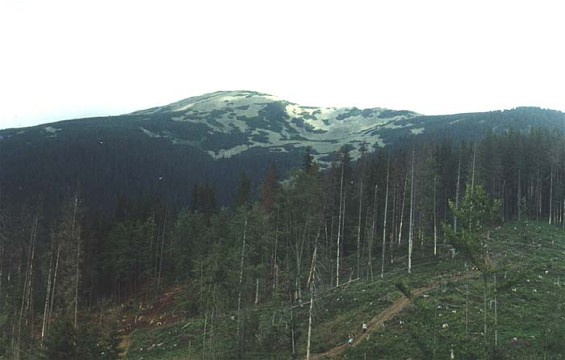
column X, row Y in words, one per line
column 530, row 259
column 530, row 306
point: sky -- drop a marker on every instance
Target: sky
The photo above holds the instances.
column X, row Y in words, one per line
column 65, row 59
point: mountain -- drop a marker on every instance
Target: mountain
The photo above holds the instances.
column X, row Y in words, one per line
column 164, row 152
column 225, row 124
column 449, row 235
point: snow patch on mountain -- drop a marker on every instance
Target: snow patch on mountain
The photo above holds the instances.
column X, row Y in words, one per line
column 227, row 153
column 150, row 133
column 266, row 121
column 51, row 129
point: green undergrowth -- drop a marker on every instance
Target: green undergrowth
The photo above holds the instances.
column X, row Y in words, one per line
column 530, row 306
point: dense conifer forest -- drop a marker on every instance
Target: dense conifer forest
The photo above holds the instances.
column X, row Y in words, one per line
column 279, row 241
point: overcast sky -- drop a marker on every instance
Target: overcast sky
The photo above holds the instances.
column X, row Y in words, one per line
column 62, row 59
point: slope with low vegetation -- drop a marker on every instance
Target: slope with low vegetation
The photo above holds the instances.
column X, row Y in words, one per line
column 433, row 312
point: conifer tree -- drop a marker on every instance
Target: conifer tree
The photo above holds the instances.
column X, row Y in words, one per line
column 270, row 189
column 60, row 344
column 476, row 215
column 243, row 194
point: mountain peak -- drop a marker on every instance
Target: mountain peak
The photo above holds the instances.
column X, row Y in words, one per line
column 264, row 121
column 212, row 100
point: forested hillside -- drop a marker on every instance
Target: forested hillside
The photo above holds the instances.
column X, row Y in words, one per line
column 162, row 154
column 62, row 272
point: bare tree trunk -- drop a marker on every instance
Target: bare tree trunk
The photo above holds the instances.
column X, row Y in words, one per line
column 241, row 263
column 292, row 341
column 27, row 288
column 402, row 210
column 393, row 228
column 256, row 290
column 467, row 308
column 48, row 292
column 275, row 266
column 204, row 335
column 155, row 246
column 29, row 301
column 495, row 314
column 77, row 279
column 474, row 160
column 1, row 268
column 299, row 245
column 384, row 220
column 551, row 195
column 211, row 332
column 55, row 273
column 77, row 268
column 539, row 195
column 503, row 208
column 373, row 233
column 519, row 196
column 367, row 233
column 457, row 192
column 411, row 225
column 359, row 230
column 343, row 223
column 485, row 307
column 485, row 289
column 435, row 215
column 339, row 229
column 161, row 251
column 312, row 281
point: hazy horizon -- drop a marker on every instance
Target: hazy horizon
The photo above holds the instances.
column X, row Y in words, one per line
column 67, row 60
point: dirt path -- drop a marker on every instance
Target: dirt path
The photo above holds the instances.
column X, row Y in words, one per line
column 124, row 346
column 379, row 320
column 158, row 313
